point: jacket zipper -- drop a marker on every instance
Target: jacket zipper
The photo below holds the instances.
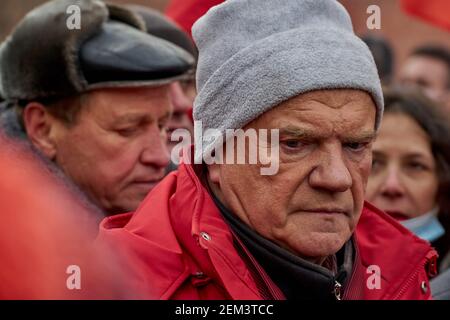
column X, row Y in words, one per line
column 337, row 290
column 273, row 289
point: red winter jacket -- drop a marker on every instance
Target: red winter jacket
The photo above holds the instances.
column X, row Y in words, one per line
column 177, row 246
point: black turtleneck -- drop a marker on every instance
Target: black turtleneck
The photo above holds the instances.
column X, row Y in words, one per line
column 297, row 278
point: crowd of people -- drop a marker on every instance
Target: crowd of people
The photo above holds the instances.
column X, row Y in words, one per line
column 88, row 178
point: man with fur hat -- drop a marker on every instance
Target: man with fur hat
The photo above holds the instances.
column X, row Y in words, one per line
column 94, row 99
column 228, row 231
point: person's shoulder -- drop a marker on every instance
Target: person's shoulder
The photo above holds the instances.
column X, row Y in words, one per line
column 143, row 242
column 440, row 286
column 380, row 226
column 382, row 240
column 377, row 229
column 405, row 262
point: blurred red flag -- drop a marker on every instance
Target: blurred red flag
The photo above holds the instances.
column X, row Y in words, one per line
column 186, row 12
column 436, row 12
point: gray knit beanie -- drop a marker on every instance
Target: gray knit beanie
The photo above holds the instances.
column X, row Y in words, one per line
column 255, row 54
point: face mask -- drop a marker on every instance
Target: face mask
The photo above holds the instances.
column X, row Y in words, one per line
column 426, row 226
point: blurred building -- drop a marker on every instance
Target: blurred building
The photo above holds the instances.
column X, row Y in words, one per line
column 402, row 31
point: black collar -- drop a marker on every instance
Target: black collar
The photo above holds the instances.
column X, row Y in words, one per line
column 297, row 278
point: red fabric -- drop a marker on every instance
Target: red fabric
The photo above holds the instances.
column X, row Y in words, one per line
column 436, row 12
column 186, row 12
column 190, row 114
column 166, row 250
column 43, row 231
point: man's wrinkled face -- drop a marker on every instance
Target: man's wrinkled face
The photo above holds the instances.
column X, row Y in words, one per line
column 312, row 205
column 116, row 150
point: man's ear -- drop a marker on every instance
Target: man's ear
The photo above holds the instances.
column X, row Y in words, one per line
column 214, row 174
column 215, row 181
column 38, row 125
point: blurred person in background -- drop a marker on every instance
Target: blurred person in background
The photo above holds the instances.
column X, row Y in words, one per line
column 410, row 178
column 384, row 57
column 182, row 93
column 100, row 112
column 428, row 67
column 42, row 255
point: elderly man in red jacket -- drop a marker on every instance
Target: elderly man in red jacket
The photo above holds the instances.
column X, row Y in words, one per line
column 293, row 223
